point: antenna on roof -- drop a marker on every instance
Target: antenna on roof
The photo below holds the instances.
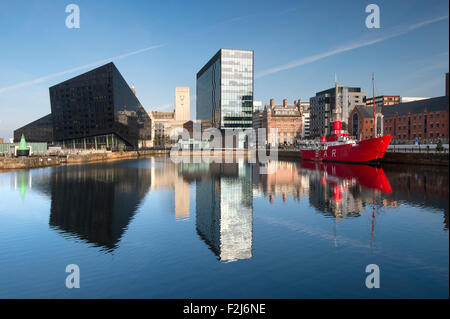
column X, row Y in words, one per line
column 335, row 78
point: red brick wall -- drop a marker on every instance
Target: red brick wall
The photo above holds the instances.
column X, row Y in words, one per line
column 365, row 126
column 410, row 126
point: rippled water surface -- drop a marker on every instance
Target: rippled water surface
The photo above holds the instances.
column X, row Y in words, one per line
column 148, row 228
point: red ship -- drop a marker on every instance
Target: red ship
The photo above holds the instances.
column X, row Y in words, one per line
column 339, row 147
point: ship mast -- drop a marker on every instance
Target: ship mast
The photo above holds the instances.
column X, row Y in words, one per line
column 374, row 112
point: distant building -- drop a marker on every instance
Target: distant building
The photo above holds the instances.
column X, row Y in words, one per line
column 257, row 106
column 383, row 100
column 406, row 99
column 306, row 124
column 2, row 140
column 424, row 120
column 333, row 104
column 360, row 122
column 95, row 110
column 286, row 118
column 182, row 104
column 306, row 120
column 225, row 91
column 163, row 123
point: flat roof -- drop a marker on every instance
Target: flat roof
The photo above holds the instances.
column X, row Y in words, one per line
column 214, row 59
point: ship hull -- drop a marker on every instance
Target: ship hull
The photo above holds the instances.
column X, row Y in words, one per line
column 369, row 150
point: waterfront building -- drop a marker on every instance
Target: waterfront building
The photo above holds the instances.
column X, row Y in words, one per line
column 40, row 130
column 2, row 140
column 383, row 100
column 95, row 110
column 333, row 104
column 286, row 118
column 163, row 123
column 422, row 121
column 225, row 91
column 360, row 122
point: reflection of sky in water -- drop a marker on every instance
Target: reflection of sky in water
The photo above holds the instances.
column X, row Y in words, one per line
column 149, row 228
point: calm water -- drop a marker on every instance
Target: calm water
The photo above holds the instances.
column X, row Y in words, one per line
column 148, row 228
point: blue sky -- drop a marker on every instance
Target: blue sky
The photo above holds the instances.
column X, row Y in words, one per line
column 159, row 45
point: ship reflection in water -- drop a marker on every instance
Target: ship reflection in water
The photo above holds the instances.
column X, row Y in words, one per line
column 96, row 203
column 171, row 217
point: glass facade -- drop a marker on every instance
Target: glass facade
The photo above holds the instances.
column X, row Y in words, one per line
column 98, row 108
column 225, row 90
column 38, row 131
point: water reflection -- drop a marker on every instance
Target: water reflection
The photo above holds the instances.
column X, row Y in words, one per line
column 96, row 203
column 224, row 207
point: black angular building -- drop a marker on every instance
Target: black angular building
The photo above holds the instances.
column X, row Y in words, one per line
column 97, row 110
column 40, row 130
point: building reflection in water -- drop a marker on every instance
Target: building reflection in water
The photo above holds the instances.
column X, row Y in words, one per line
column 344, row 190
column 97, row 202
column 166, row 175
column 224, row 207
column 338, row 190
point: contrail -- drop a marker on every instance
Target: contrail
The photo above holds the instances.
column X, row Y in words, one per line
column 348, row 47
column 54, row 75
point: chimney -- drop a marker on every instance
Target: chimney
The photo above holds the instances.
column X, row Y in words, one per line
column 285, row 102
column 272, row 103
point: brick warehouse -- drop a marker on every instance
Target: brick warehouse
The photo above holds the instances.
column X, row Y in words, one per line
column 424, row 120
column 360, row 122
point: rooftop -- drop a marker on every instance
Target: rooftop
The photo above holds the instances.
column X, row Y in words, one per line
column 434, row 104
column 367, row 111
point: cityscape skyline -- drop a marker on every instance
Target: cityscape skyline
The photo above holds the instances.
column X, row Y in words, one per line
column 417, row 69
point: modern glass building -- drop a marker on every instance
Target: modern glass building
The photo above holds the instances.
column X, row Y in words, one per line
column 97, row 110
column 225, row 90
column 40, row 130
